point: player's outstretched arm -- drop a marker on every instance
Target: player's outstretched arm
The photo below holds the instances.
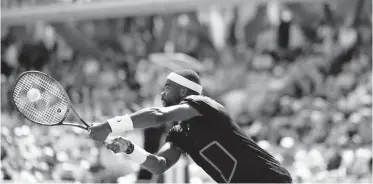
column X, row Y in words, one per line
column 157, row 164
column 148, row 117
column 154, row 116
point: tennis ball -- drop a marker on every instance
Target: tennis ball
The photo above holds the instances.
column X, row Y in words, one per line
column 33, row 95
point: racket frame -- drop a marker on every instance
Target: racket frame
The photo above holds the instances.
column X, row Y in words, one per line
column 68, row 100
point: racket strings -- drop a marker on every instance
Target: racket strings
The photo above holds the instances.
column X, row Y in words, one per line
column 53, row 104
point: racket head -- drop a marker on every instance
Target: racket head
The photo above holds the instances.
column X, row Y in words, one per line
column 54, row 104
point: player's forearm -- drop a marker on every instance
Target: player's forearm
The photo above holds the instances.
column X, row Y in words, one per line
column 148, row 117
column 155, row 164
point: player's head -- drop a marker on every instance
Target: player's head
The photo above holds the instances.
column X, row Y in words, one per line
column 180, row 84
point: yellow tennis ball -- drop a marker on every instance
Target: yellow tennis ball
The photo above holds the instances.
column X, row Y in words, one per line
column 33, row 95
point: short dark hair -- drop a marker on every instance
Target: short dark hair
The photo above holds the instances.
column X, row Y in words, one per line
column 189, row 74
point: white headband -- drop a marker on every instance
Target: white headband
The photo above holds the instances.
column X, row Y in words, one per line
column 185, row 82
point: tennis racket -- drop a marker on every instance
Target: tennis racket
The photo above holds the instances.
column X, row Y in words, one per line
column 53, row 104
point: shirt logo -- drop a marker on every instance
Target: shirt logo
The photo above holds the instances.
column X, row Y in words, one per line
column 228, row 171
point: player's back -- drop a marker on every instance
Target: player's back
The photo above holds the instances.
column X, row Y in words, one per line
column 221, row 147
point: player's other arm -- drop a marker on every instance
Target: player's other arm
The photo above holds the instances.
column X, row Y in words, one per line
column 157, row 164
column 167, row 156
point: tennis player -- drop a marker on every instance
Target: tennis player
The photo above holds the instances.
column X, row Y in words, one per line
column 205, row 131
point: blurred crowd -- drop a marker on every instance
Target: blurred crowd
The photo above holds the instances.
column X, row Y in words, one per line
column 296, row 77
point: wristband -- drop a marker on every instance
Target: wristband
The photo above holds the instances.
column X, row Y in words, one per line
column 136, row 153
column 120, row 124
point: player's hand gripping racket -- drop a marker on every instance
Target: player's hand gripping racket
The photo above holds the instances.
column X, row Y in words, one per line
column 42, row 100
